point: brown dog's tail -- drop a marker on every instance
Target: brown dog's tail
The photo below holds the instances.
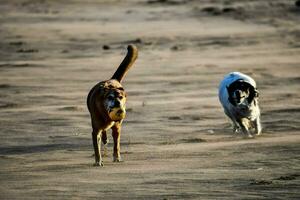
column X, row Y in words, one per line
column 126, row 63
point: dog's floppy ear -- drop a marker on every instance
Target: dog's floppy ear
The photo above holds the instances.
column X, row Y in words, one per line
column 256, row 92
column 230, row 99
column 253, row 94
column 228, row 89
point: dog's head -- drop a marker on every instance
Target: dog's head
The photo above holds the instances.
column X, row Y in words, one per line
column 114, row 100
column 242, row 94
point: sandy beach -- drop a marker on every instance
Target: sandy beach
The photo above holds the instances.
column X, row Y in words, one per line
column 176, row 140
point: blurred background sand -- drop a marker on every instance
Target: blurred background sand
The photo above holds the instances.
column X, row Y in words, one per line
column 176, row 141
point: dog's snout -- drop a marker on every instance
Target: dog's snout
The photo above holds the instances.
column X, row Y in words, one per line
column 117, row 104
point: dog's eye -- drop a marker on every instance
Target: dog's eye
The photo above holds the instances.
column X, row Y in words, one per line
column 121, row 97
column 110, row 98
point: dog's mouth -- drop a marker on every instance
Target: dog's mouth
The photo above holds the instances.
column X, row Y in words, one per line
column 239, row 99
column 117, row 114
column 244, row 107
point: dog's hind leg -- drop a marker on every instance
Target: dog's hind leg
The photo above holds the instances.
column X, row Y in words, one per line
column 96, row 135
column 116, row 133
column 104, row 137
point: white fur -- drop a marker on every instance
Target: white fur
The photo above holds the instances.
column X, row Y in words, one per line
column 243, row 119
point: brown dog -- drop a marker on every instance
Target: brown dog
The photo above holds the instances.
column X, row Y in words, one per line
column 106, row 104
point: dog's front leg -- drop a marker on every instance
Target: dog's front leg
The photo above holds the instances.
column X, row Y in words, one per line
column 96, row 135
column 235, row 124
column 257, row 125
column 116, row 133
column 244, row 126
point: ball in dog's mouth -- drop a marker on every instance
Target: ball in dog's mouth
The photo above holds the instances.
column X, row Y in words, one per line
column 117, row 114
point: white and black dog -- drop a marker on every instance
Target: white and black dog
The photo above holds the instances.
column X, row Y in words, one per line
column 239, row 98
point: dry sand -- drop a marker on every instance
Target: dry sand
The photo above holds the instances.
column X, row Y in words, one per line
column 176, row 140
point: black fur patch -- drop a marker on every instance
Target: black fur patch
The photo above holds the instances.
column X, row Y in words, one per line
column 240, row 84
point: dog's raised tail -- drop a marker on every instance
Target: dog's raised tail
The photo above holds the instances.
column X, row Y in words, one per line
column 127, row 62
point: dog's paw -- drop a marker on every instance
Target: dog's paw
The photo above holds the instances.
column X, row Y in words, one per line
column 248, row 136
column 236, row 131
column 118, row 159
column 258, row 133
column 99, row 164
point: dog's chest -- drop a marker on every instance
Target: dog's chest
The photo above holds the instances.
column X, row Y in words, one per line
column 242, row 113
column 251, row 113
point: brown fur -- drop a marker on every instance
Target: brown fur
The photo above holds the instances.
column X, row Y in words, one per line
column 106, row 104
